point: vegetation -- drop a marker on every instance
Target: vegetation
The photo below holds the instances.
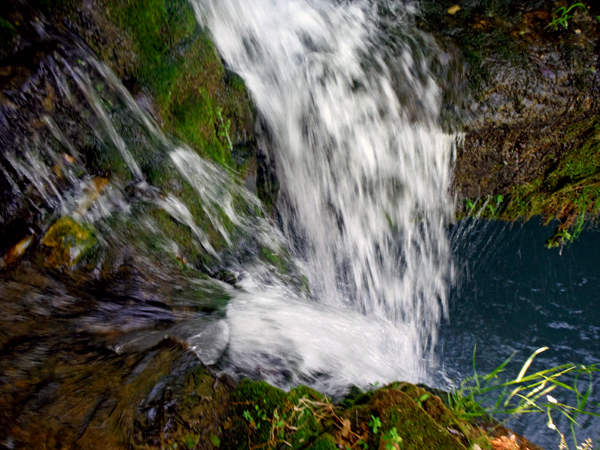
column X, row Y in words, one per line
column 266, row 417
column 569, row 189
column 561, row 16
column 198, row 100
column 484, row 395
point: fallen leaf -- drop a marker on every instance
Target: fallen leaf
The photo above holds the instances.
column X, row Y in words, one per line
column 92, row 191
column 504, row 443
column 453, row 10
column 346, row 429
column 18, row 250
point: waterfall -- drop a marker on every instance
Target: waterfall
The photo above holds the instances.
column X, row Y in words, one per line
column 365, row 168
column 351, row 119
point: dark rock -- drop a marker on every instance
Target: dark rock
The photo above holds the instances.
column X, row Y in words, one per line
column 532, row 97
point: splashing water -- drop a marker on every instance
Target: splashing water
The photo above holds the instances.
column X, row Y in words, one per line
column 364, row 183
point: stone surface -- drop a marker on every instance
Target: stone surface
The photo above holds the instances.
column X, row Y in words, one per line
column 530, row 114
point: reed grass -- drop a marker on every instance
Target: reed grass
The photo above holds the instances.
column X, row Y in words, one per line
column 487, row 395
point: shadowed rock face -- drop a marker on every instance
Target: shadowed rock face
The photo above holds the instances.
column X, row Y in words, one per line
column 527, row 93
column 70, row 380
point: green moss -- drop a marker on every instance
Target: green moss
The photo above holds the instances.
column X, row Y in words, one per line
column 236, row 82
column 266, row 410
column 313, row 423
column 569, row 187
column 416, row 428
column 279, row 261
column 7, row 34
column 259, row 393
column 565, row 183
column 195, row 121
column 324, row 442
column 180, row 67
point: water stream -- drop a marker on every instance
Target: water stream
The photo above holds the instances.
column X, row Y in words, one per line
column 365, row 174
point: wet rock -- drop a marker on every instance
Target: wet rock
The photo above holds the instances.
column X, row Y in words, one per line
column 532, row 93
column 91, row 193
column 67, row 240
column 210, row 342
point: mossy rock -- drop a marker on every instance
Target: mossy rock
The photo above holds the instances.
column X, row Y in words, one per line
column 436, row 409
column 324, row 442
column 416, row 428
column 68, row 241
column 263, row 413
column 197, row 99
column 526, row 93
column 411, row 413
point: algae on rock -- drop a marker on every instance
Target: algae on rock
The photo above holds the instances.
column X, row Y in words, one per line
column 68, row 241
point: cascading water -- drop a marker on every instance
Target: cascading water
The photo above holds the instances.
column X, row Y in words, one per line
column 364, row 183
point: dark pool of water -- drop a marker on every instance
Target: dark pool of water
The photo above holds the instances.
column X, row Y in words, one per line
column 514, row 295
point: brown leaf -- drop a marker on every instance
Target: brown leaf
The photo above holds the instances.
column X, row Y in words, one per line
column 346, row 429
column 18, row 250
column 504, row 443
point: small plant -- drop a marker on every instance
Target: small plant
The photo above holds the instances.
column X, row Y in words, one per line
column 214, row 440
column 224, row 127
column 421, row 399
column 250, row 419
column 392, row 440
column 560, row 239
column 561, row 16
column 469, row 205
column 375, row 424
column 260, row 415
column 363, row 444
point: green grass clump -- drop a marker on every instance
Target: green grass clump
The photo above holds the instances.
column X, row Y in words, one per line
column 483, row 395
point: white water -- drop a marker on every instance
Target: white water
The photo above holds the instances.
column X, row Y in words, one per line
column 364, row 185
